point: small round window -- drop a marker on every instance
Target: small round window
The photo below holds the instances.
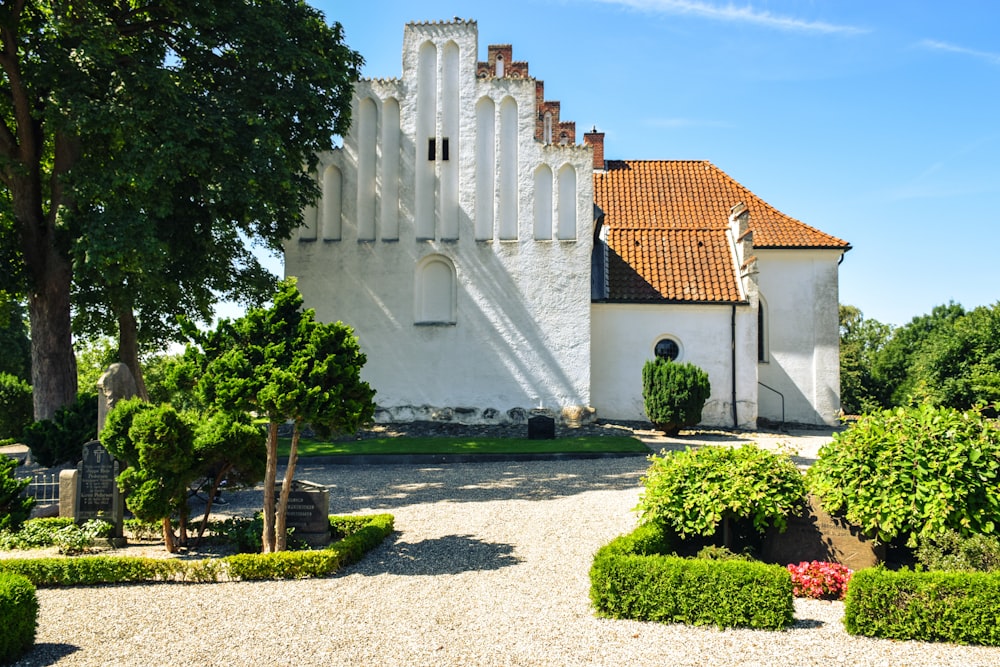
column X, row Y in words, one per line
column 667, row 348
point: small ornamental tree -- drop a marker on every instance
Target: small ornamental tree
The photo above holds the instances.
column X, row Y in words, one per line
column 14, row 509
column 913, row 473
column 281, row 363
column 674, row 394
column 158, row 444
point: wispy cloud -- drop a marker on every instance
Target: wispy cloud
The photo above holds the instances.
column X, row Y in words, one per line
column 732, row 13
column 671, row 123
column 934, row 45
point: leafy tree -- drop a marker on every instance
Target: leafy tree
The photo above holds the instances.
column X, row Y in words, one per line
column 861, row 342
column 61, row 439
column 959, row 366
column 281, row 363
column 92, row 360
column 15, row 406
column 894, row 365
column 140, row 143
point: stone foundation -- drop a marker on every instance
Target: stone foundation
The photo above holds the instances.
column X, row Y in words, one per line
column 571, row 415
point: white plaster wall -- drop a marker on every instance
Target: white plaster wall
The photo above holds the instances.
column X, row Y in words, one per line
column 800, row 288
column 623, row 339
column 521, row 336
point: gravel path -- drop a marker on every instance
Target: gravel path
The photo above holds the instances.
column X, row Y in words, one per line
column 488, row 567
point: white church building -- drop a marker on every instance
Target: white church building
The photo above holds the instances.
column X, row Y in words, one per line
column 493, row 268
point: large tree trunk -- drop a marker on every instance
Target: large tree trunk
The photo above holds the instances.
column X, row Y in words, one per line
column 270, row 477
column 128, row 348
column 286, row 488
column 53, row 364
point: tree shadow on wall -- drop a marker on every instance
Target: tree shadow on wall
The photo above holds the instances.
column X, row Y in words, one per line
column 450, row 554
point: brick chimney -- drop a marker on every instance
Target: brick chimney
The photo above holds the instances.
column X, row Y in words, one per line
column 596, row 140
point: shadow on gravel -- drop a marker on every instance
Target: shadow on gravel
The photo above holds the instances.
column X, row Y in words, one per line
column 451, row 554
column 46, row 654
column 806, row 624
column 381, row 488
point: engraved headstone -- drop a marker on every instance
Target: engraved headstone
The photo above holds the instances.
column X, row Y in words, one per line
column 308, row 512
column 816, row 535
column 97, row 494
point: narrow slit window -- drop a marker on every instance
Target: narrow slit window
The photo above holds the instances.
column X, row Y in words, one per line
column 431, row 149
column 444, row 148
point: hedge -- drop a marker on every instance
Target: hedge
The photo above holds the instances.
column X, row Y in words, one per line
column 19, row 611
column 954, row 607
column 631, row 578
column 362, row 535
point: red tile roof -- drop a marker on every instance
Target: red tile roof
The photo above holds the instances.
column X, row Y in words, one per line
column 667, row 230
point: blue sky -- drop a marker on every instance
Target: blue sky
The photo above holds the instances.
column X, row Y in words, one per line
column 878, row 122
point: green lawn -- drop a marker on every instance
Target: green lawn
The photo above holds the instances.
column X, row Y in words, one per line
column 453, row 445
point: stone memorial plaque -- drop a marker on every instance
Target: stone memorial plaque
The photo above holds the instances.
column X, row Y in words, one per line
column 308, row 512
column 97, row 485
column 815, row 535
column 541, row 427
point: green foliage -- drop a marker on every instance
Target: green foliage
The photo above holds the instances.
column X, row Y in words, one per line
column 692, row 492
column 951, row 551
column 243, row 533
column 668, row 589
column 94, row 570
column 959, row 366
column 73, row 539
column 19, row 611
column 16, row 408
column 14, row 509
column 231, row 445
column 14, row 341
column 954, row 607
column 912, row 473
column 116, row 437
column 61, row 439
column 93, row 357
column 674, row 394
column 861, row 342
column 34, row 533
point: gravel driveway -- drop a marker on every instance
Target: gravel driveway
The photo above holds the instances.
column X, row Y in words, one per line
column 488, row 567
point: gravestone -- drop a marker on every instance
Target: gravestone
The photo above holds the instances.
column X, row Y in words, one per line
column 541, row 427
column 816, row 535
column 97, row 494
column 116, row 384
column 308, row 512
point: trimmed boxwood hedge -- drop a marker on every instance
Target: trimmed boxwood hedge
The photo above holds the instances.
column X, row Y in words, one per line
column 361, row 534
column 954, row 607
column 19, row 611
column 632, row 577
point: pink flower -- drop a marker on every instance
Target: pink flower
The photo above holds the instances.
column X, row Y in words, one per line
column 819, row 580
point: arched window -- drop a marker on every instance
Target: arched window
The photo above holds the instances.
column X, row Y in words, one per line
column 435, row 291
column 499, row 66
column 667, row 348
column 547, row 128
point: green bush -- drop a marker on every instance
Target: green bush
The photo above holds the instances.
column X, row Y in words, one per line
column 35, row 533
column 14, row 509
column 674, row 394
column 692, row 492
column 954, row 607
column 19, row 611
column 911, row 473
column 16, row 409
column 668, row 589
column 61, row 439
column 366, row 533
column 951, row 551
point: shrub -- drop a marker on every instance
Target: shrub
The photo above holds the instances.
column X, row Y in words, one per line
column 951, row 551
column 19, row 611
column 911, row 473
column 692, row 492
column 674, row 394
column 34, row 533
column 819, row 580
column 956, row 607
column 61, row 439
column 668, row 589
column 16, row 409
column 14, row 509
